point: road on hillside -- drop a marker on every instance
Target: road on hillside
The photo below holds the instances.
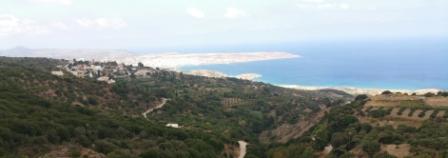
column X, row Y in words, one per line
column 164, row 100
column 243, row 148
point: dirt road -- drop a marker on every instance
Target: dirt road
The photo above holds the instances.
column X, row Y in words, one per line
column 164, row 100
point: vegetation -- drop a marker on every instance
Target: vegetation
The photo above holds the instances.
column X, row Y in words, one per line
column 346, row 135
column 41, row 113
column 31, row 125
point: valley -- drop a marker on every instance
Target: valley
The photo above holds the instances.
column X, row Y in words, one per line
column 105, row 119
column 51, row 110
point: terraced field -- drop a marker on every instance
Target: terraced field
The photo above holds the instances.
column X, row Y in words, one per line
column 395, row 110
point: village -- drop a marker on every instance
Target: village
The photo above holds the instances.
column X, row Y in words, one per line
column 108, row 72
column 104, row 71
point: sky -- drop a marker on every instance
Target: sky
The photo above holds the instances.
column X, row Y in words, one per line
column 130, row 24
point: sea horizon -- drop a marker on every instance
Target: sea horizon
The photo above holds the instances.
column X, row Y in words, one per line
column 408, row 65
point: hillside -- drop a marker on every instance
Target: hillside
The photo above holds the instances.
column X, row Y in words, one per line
column 388, row 125
column 49, row 111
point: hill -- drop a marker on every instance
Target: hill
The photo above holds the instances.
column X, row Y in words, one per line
column 388, row 125
column 50, row 108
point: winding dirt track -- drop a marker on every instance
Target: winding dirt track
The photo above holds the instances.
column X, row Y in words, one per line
column 242, row 144
column 243, row 148
column 164, row 100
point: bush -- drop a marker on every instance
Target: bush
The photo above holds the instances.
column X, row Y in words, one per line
column 387, row 92
column 104, row 146
column 378, row 113
column 383, row 155
column 371, row 147
column 444, row 94
column 390, row 138
column 92, row 101
column 429, row 94
column 361, row 97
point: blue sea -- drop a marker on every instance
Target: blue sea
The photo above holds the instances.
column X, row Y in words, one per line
column 391, row 64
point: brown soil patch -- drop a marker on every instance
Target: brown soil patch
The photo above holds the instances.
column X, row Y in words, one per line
column 394, row 112
column 231, row 151
column 416, row 113
column 437, row 101
column 440, row 114
column 405, row 113
column 428, row 114
column 358, row 152
column 68, row 152
column 394, row 122
column 399, row 151
column 327, row 150
column 286, row 132
column 393, row 100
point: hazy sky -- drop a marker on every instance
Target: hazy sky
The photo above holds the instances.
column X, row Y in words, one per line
column 173, row 23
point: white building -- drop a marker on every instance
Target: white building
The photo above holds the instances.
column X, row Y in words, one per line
column 106, row 79
column 103, row 78
column 144, row 72
column 57, row 73
column 173, row 125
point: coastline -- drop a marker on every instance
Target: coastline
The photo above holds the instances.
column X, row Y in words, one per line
column 217, row 74
column 348, row 89
column 176, row 61
column 166, row 60
column 367, row 91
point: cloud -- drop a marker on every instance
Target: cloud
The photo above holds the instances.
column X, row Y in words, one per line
column 313, row 1
column 57, row 2
column 60, row 26
column 102, row 23
column 323, row 5
column 196, row 13
column 234, row 13
column 12, row 25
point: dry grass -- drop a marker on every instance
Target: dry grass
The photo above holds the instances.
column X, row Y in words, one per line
column 437, row 101
column 416, row 114
column 428, row 114
column 400, row 151
column 406, row 100
column 394, row 100
column 441, row 114
column 358, row 152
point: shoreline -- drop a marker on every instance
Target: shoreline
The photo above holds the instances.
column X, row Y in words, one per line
column 359, row 90
column 348, row 89
column 175, row 61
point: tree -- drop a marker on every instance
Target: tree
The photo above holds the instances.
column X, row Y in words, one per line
column 390, row 138
column 441, row 93
column 361, row 97
column 429, row 94
column 339, row 139
column 378, row 113
column 140, row 65
column 387, row 92
column 371, row 147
